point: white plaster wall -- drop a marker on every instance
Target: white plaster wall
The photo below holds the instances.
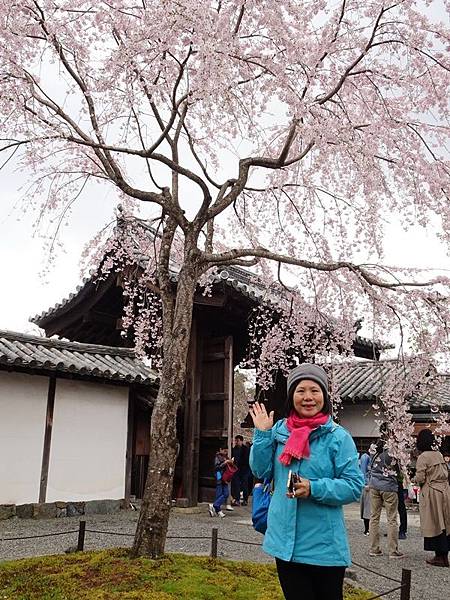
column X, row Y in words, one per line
column 359, row 420
column 23, row 408
column 88, row 449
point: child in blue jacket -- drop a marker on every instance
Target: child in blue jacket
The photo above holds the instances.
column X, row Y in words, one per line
column 305, row 529
column 222, row 492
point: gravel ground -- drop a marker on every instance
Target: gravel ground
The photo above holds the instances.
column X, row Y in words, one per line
column 428, row 583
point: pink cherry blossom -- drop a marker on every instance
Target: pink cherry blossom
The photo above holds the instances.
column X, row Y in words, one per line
column 281, row 136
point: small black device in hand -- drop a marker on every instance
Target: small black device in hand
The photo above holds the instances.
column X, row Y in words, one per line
column 292, row 479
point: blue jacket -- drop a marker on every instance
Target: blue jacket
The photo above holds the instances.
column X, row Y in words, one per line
column 364, row 465
column 310, row 530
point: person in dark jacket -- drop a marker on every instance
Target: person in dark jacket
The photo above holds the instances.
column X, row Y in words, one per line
column 383, row 484
column 305, row 526
column 364, row 463
column 250, row 479
column 239, row 483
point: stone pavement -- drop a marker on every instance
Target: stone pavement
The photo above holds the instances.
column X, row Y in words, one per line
column 428, row 583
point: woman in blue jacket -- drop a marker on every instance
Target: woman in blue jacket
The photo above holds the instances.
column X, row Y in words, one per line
column 305, row 529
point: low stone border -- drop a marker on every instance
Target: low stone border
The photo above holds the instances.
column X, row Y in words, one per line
column 50, row 510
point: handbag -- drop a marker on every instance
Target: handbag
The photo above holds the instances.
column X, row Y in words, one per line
column 230, row 470
column 262, row 494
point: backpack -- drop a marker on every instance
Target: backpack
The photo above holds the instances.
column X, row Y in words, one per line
column 262, row 494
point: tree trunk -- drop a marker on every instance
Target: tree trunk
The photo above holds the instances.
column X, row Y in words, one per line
column 153, row 520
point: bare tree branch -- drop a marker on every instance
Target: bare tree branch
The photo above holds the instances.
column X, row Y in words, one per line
column 357, row 60
column 239, row 19
column 147, row 161
column 145, row 154
column 330, row 266
column 198, row 159
column 244, row 167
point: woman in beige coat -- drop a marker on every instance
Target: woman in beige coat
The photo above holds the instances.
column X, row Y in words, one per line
column 434, row 505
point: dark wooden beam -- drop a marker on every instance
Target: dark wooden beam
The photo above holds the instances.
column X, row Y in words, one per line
column 221, row 434
column 217, row 300
column 129, row 454
column 47, row 439
column 214, row 356
column 98, row 317
column 191, row 421
column 215, row 396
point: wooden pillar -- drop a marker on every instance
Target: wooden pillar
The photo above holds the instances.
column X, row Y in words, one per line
column 196, row 406
column 214, row 538
column 129, row 451
column 191, row 423
column 229, row 391
column 47, row 438
column 405, row 593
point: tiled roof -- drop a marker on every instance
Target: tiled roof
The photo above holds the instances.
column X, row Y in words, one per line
column 85, row 360
column 244, row 282
column 441, row 390
column 365, row 380
column 247, row 284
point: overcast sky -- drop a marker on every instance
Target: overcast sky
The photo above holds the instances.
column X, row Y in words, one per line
column 31, row 281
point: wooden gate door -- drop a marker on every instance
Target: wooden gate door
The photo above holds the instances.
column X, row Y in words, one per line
column 216, row 408
column 141, row 450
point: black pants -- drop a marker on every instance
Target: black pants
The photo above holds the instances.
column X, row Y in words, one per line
column 310, row 582
column 439, row 544
column 239, row 484
column 402, row 511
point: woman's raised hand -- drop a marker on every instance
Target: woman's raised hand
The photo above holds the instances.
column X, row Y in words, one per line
column 261, row 420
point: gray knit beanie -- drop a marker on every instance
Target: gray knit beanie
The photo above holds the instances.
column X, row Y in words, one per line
column 312, row 372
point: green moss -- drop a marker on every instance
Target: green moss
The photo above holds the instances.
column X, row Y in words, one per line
column 351, row 593
column 111, row 574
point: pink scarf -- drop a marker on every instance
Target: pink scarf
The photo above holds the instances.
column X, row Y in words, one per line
column 297, row 445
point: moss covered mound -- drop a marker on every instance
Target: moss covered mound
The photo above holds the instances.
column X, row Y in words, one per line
column 111, row 574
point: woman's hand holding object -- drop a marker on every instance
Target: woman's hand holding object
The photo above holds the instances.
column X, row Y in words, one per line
column 261, row 419
column 302, row 489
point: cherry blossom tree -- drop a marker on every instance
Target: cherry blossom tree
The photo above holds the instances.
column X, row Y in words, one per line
column 280, row 136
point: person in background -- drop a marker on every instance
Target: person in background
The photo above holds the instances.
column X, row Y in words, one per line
column 239, row 483
column 434, row 504
column 383, row 486
column 305, row 527
column 222, row 492
column 403, row 528
column 446, row 453
column 364, row 463
column 447, row 460
column 250, row 480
